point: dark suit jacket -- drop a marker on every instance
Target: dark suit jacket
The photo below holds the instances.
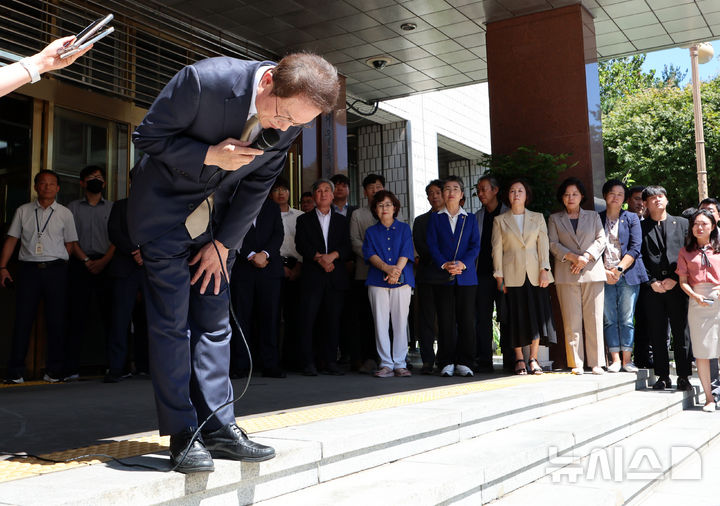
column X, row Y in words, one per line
column 204, row 104
column 122, row 263
column 309, row 241
column 442, row 243
column 266, row 235
column 427, row 271
column 661, row 262
column 630, row 236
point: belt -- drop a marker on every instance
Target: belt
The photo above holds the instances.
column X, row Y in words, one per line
column 45, row 265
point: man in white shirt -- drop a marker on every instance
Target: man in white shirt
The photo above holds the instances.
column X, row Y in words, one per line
column 46, row 232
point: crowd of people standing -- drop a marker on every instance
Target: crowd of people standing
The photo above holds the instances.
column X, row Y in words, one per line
column 334, row 284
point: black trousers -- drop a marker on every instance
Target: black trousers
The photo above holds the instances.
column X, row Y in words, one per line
column 361, row 326
column 290, row 339
column 320, row 300
column 660, row 308
column 127, row 307
column 426, row 321
column 35, row 282
column 643, row 345
column 256, row 299
column 486, row 299
column 84, row 288
column 456, row 309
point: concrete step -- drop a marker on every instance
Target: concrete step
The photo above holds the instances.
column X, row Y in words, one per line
column 483, row 468
column 668, row 453
column 318, row 452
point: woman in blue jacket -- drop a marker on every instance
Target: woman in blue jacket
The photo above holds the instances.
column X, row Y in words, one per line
column 625, row 273
column 454, row 242
column 388, row 248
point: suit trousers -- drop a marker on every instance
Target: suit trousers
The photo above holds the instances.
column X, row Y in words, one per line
column 670, row 306
column 486, row 299
column 289, row 342
column 35, row 284
column 256, row 299
column 84, row 288
column 320, row 300
column 582, row 305
column 125, row 291
column 456, row 310
column 643, row 351
column 360, row 326
column 391, row 305
column 189, row 335
column 426, row 321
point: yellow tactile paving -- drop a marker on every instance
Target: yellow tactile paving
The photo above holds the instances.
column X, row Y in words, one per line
column 17, row 468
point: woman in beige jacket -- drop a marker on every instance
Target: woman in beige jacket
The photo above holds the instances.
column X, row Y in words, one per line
column 521, row 263
column 577, row 241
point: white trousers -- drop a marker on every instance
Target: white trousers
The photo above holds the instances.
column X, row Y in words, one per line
column 391, row 304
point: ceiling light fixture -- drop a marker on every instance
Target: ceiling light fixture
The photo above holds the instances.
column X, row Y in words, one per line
column 408, row 27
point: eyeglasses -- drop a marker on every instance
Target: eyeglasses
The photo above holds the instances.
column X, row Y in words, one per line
column 385, row 204
column 288, row 119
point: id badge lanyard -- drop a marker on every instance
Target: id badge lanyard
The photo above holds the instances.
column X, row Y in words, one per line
column 38, row 245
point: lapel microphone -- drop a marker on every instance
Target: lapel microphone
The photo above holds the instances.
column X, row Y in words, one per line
column 266, row 139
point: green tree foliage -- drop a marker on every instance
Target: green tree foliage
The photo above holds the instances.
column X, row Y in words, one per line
column 650, row 135
column 622, row 77
column 540, row 170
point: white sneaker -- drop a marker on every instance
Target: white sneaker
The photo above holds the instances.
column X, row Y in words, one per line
column 448, row 370
column 50, row 379
column 578, row 371
column 630, row 367
column 14, row 381
column 463, row 370
column 598, row 370
column 614, row 367
column 709, row 408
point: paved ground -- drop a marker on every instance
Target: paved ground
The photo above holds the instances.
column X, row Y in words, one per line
column 44, row 418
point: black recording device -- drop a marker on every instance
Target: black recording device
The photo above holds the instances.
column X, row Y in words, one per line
column 266, row 139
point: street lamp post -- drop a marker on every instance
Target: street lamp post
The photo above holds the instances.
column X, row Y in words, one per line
column 699, row 53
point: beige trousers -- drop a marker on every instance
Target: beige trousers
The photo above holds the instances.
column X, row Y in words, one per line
column 582, row 303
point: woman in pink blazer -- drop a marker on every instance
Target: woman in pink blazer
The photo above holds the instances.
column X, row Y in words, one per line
column 577, row 241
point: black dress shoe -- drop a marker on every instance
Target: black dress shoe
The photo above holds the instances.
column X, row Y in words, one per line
column 426, row 369
column 197, row 460
column 332, row 369
column 231, row 442
column 684, row 384
column 309, row 371
column 662, row 384
column 274, row 373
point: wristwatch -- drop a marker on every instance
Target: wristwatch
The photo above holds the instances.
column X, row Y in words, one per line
column 86, row 259
column 619, row 268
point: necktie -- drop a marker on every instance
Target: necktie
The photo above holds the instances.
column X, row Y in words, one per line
column 199, row 219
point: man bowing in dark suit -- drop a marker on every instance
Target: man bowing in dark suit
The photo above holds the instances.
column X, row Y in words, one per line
column 195, row 193
column 662, row 237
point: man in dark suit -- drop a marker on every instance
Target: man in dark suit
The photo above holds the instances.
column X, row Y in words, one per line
column 195, row 194
column 323, row 241
column 662, row 237
column 255, row 285
column 126, row 273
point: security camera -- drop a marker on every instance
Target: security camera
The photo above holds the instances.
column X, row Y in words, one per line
column 379, row 64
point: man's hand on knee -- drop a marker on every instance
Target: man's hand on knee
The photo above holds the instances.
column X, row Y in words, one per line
column 210, row 265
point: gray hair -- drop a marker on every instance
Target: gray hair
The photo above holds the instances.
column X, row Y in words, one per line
column 320, row 181
column 490, row 179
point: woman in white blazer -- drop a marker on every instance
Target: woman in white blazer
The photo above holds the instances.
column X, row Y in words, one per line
column 521, row 264
column 577, row 241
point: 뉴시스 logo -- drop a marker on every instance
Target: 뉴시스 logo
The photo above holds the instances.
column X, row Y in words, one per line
column 615, row 463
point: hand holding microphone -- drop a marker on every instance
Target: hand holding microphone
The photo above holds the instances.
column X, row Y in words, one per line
column 231, row 154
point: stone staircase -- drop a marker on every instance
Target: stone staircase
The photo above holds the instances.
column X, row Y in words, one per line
column 551, row 437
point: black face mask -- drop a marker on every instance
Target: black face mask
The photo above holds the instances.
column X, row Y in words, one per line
column 94, row 186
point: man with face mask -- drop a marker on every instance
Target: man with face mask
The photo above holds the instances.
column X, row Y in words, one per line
column 88, row 278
